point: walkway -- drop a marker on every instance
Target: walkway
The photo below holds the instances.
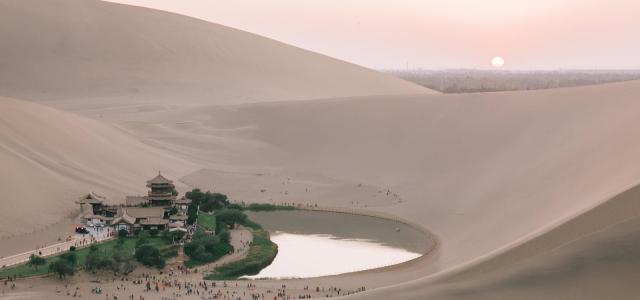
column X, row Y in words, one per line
column 77, row 240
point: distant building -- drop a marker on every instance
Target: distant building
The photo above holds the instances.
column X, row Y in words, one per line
column 149, row 212
column 93, row 200
column 134, row 219
column 162, row 191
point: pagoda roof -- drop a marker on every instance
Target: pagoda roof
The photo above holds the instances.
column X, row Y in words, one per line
column 159, row 180
column 91, row 198
column 124, row 218
column 183, row 200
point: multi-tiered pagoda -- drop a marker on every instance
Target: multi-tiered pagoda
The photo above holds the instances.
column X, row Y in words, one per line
column 162, row 191
column 151, row 212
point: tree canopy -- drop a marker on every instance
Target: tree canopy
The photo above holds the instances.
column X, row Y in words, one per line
column 65, row 265
column 150, row 256
column 36, row 261
column 207, row 201
column 231, row 217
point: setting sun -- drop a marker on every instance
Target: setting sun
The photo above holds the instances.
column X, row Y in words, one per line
column 497, row 62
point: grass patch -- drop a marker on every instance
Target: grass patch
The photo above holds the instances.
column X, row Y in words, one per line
column 22, row 270
column 207, row 220
column 261, row 253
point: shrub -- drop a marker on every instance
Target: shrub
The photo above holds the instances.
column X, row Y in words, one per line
column 235, row 206
column 268, row 207
column 123, row 233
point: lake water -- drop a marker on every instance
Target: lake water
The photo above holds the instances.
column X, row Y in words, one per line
column 312, row 244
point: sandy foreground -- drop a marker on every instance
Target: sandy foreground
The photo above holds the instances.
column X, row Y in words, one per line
column 531, row 195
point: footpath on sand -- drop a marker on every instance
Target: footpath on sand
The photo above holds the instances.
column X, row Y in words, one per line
column 77, row 240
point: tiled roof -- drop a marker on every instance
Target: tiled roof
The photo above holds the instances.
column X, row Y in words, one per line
column 159, row 180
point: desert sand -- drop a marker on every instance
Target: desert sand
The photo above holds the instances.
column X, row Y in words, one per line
column 530, row 194
column 50, row 158
column 76, row 49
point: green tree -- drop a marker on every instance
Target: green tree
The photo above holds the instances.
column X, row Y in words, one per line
column 172, row 236
column 192, row 213
column 36, row 261
column 224, row 235
column 195, row 196
column 62, row 267
column 150, row 256
column 231, row 217
column 173, row 211
column 70, row 257
column 122, row 260
column 97, row 260
column 207, row 201
column 205, row 248
column 213, row 201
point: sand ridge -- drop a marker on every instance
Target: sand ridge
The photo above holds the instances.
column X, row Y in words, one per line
column 79, row 49
column 511, row 183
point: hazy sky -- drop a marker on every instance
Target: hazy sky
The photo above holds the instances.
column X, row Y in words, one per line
column 435, row 34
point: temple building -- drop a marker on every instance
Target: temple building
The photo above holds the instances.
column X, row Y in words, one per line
column 134, row 219
column 150, row 212
column 162, row 191
column 91, row 200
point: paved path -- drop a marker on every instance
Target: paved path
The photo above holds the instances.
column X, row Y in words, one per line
column 78, row 240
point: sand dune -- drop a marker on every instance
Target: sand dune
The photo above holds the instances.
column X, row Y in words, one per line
column 522, row 189
column 78, row 49
column 484, row 172
column 49, row 158
column 593, row 256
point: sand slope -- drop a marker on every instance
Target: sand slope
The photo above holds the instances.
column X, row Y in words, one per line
column 523, row 189
column 484, row 172
column 49, row 158
column 59, row 49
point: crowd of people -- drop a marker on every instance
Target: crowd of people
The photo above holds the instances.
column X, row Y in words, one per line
column 177, row 285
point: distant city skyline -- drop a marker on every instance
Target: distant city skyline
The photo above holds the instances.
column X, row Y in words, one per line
column 431, row 34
